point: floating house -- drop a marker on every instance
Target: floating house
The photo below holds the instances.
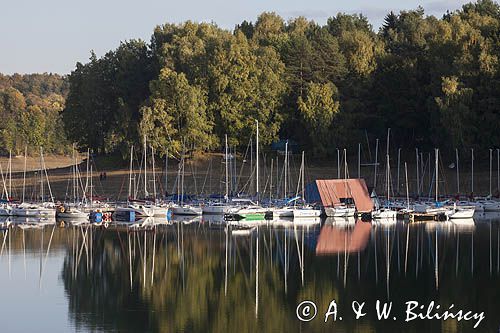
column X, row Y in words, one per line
column 334, row 192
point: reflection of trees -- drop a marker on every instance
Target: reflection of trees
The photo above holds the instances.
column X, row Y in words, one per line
column 181, row 285
column 98, row 293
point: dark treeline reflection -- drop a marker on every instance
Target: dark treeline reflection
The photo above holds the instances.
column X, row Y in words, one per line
column 210, row 278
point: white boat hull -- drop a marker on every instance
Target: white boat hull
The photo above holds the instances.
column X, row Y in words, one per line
column 216, row 209
column 339, row 211
column 462, row 213
column 34, row 212
column 73, row 214
column 304, row 213
column 186, row 210
column 385, row 214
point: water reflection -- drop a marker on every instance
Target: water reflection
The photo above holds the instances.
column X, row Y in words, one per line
column 200, row 274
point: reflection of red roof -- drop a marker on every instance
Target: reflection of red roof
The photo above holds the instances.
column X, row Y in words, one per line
column 337, row 240
column 328, row 193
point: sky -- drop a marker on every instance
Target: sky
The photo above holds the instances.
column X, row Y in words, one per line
column 52, row 35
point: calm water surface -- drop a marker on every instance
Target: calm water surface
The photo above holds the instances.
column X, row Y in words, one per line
column 201, row 276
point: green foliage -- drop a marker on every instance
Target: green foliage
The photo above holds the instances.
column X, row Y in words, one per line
column 325, row 86
column 318, row 109
column 176, row 115
column 456, row 116
column 102, row 108
column 30, row 113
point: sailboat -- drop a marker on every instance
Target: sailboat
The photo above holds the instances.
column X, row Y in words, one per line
column 220, row 208
column 75, row 209
column 342, row 210
column 5, row 205
column 252, row 210
column 488, row 204
column 298, row 211
column 138, row 209
column 44, row 209
column 182, row 208
column 385, row 213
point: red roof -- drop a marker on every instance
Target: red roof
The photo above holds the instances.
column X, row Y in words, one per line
column 330, row 191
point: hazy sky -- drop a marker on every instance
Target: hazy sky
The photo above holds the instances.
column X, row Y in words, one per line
column 52, row 35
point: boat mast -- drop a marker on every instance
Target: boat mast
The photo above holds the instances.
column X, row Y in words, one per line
column 399, row 164
column 130, row 173
column 437, row 172
column 277, row 176
column 74, row 173
column 491, row 166
column 91, row 186
column 87, row 172
column 10, row 174
column 407, row 190
column 166, row 172
column 418, row 173
column 376, row 162
column 345, row 164
column 154, row 176
column 303, row 174
column 271, row 181
column 227, row 171
column 458, row 172
column 257, row 160
column 387, row 158
column 182, row 177
column 24, row 172
column 387, row 180
column 145, row 169
column 286, row 169
column 41, row 175
column 4, row 183
column 46, row 175
column 472, row 171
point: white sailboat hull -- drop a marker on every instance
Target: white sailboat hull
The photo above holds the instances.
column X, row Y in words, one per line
column 305, row 212
column 216, row 209
column 339, row 211
column 462, row 213
column 384, row 214
column 33, row 211
column 186, row 210
column 73, row 214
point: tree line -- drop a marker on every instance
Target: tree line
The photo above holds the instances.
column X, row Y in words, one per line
column 434, row 81
column 30, row 113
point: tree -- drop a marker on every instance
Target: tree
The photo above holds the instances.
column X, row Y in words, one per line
column 246, row 85
column 176, row 115
column 318, row 109
column 457, row 118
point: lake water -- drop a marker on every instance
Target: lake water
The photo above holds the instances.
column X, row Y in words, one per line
column 203, row 276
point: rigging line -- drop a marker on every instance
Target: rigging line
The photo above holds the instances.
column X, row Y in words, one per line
column 243, row 164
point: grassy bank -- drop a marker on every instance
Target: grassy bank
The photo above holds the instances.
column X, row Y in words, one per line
column 206, row 174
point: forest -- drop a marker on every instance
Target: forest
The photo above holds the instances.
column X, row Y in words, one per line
column 30, row 113
column 434, row 81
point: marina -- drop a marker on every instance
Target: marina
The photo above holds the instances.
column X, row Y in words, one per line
column 96, row 276
column 250, row 167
